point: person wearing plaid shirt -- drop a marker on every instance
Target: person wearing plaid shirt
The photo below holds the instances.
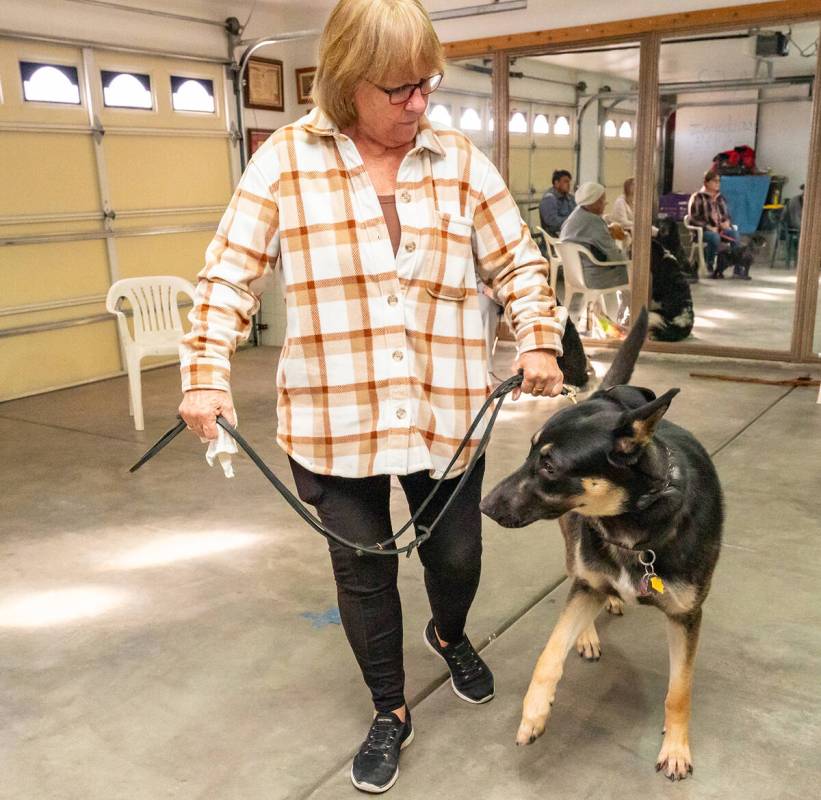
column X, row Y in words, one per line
column 379, row 221
column 707, row 209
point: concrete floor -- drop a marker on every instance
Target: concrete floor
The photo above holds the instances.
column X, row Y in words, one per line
column 173, row 635
column 756, row 313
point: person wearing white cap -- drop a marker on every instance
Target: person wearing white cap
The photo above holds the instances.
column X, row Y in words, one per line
column 585, row 226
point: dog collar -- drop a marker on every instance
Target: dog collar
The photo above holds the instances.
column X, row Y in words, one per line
column 668, row 490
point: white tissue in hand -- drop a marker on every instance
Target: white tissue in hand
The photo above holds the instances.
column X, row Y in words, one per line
column 221, row 449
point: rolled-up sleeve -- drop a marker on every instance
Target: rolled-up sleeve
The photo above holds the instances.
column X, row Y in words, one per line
column 245, row 245
column 508, row 260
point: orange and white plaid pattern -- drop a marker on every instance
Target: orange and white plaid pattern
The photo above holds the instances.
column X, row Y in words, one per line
column 384, row 364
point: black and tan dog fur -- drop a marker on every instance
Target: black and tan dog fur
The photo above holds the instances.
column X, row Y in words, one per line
column 622, row 481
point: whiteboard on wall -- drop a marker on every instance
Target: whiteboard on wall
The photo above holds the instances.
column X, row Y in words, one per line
column 702, row 132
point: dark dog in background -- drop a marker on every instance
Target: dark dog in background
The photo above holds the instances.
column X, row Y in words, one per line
column 640, row 508
column 670, row 239
column 738, row 256
column 671, row 306
column 573, row 362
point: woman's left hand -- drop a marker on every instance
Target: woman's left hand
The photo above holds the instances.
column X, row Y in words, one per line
column 542, row 376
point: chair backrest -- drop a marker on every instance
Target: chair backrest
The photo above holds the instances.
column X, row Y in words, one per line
column 551, row 242
column 153, row 302
column 571, row 253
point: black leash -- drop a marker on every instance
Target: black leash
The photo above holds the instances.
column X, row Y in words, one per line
column 380, row 549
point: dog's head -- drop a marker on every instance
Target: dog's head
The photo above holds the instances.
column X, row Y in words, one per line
column 586, row 458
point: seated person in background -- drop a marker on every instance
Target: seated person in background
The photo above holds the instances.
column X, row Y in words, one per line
column 708, row 210
column 794, row 211
column 557, row 203
column 586, row 227
column 622, row 212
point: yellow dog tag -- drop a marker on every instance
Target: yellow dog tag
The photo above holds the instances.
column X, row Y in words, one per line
column 657, row 584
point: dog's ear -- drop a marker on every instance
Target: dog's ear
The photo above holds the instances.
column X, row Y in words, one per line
column 635, row 429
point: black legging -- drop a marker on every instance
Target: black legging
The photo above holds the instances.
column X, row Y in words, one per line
column 369, row 605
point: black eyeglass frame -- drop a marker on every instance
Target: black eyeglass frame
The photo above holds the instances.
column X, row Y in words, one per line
column 412, row 87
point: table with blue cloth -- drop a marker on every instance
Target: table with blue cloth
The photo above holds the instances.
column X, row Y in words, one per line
column 745, row 196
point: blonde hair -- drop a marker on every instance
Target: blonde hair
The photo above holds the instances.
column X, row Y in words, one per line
column 367, row 40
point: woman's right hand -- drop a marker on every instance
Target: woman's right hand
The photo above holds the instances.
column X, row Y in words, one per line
column 201, row 407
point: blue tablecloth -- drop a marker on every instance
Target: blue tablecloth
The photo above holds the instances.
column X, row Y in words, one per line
column 745, row 196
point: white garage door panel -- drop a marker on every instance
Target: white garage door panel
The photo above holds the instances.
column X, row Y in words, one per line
column 180, row 254
column 161, row 172
column 70, row 355
column 40, row 273
column 46, row 173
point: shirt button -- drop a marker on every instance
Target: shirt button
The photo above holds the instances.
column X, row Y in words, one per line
column 410, row 247
column 400, row 413
column 398, row 355
column 392, row 300
column 405, row 196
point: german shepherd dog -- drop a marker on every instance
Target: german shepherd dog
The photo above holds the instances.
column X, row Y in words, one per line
column 640, row 507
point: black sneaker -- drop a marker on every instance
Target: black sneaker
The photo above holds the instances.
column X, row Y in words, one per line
column 375, row 767
column 469, row 675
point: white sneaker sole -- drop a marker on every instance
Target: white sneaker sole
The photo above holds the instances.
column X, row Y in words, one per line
column 369, row 787
column 452, row 685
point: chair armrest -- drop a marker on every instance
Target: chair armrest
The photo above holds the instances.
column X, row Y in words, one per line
column 596, row 263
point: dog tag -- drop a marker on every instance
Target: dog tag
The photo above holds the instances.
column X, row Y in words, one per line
column 644, row 589
column 657, row 584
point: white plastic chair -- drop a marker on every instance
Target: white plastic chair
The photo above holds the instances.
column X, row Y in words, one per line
column 553, row 257
column 574, row 282
column 696, row 245
column 157, row 326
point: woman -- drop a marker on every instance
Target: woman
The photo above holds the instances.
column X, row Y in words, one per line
column 707, row 209
column 379, row 223
column 622, row 213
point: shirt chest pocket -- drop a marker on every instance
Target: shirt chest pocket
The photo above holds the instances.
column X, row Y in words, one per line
column 450, row 266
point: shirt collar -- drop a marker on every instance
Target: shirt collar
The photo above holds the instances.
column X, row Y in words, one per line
column 319, row 123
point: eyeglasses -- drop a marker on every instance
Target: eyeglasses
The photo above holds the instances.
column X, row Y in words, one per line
column 401, row 94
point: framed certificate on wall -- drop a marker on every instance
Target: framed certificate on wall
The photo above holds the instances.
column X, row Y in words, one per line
column 304, row 84
column 263, row 84
column 255, row 137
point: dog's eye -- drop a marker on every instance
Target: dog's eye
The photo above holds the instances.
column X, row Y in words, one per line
column 548, row 469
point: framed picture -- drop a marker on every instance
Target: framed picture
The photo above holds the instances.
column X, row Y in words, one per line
column 304, row 84
column 263, row 84
column 255, row 137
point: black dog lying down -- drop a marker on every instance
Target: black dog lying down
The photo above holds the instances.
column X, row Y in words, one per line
column 640, row 507
column 671, row 306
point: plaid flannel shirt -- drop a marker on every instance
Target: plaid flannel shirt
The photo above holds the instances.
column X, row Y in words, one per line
column 707, row 211
column 384, row 363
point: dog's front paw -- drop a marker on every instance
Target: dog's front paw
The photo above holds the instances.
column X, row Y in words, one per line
column 615, row 606
column 534, row 717
column 588, row 645
column 674, row 759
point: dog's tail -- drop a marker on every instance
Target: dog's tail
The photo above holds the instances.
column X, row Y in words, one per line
column 622, row 367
